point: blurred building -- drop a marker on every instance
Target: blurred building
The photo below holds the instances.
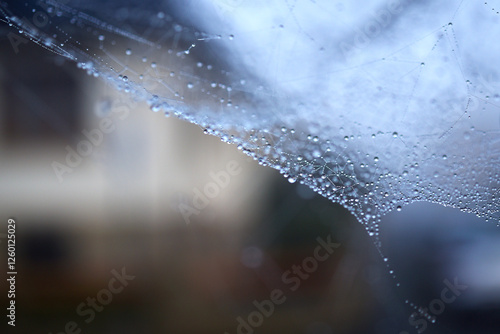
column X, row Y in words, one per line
column 90, row 197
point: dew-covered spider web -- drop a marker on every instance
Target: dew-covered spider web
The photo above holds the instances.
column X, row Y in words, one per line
column 373, row 104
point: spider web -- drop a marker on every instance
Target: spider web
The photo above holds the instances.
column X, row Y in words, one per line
column 373, row 105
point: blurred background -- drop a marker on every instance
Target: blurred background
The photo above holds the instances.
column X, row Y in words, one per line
column 130, row 204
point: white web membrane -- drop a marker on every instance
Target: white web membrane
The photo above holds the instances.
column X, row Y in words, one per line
column 373, row 105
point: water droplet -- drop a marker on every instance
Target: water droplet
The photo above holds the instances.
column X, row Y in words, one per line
column 189, row 85
column 292, row 179
column 103, row 107
column 128, row 52
column 395, row 134
column 101, row 37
